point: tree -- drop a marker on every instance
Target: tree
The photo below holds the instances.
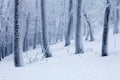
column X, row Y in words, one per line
column 78, row 40
column 89, row 30
column 70, row 22
column 25, row 40
column 45, row 44
column 35, row 34
column 116, row 17
column 1, row 31
column 106, row 30
column 36, row 25
column 0, row 28
column 17, row 51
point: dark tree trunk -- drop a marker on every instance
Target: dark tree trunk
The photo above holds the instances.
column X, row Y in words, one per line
column 17, row 53
column 3, row 51
column 70, row 22
column 106, row 30
column 0, row 53
column 45, row 43
column 6, row 42
column 78, row 40
column 1, row 9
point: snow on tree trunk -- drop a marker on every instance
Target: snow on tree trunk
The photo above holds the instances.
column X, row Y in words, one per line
column 116, row 17
column 78, row 40
column 45, row 44
column 17, row 46
column 70, row 22
column 106, row 30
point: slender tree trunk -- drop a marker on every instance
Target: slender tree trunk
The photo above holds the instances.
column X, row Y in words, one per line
column 87, row 33
column 116, row 17
column 17, row 51
column 78, row 40
column 85, row 29
column 89, row 28
column 6, row 41
column 3, row 51
column 106, row 30
column 11, row 44
column 35, row 35
column 36, row 25
column 0, row 28
column 25, row 41
column 1, row 8
column 45, row 43
column 69, row 29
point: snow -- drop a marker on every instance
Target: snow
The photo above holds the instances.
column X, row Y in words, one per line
column 65, row 65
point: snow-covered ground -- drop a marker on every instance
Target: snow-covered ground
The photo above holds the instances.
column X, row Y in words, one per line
column 65, row 65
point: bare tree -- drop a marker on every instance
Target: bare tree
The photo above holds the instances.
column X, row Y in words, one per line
column 78, row 40
column 70, row 22
column 25, row 40
column 89, row 28
column 116, row 16
column 35, row 34
column 45, row 44
column 0, row 28
column 17, row 50
column 36, row 25
column 106, row 30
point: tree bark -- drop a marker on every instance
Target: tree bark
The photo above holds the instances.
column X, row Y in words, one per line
column 1, row 9
column 45, row 43
column 116, row 17
column 26, row 41
column 17, row 52
column 35, row 34
column 89, row 31
column 78, row 40
column 70, row 22
column 106, row 30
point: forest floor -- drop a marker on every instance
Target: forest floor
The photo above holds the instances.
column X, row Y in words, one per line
column 65, row 65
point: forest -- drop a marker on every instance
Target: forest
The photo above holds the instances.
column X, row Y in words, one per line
column 63, row 40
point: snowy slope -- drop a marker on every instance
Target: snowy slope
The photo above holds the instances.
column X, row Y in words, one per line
column 64, row 65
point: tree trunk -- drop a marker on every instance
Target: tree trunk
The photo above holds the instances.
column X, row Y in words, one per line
column 69, row 29
column 106, row 30
column 35, row 35
column 25, row 40
column 17, row 51
column 89, row 31
column 45, row 43
column 1, row 9
column 36, row 25
column 78, row 40
column 116, row 17
column 0, row 28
